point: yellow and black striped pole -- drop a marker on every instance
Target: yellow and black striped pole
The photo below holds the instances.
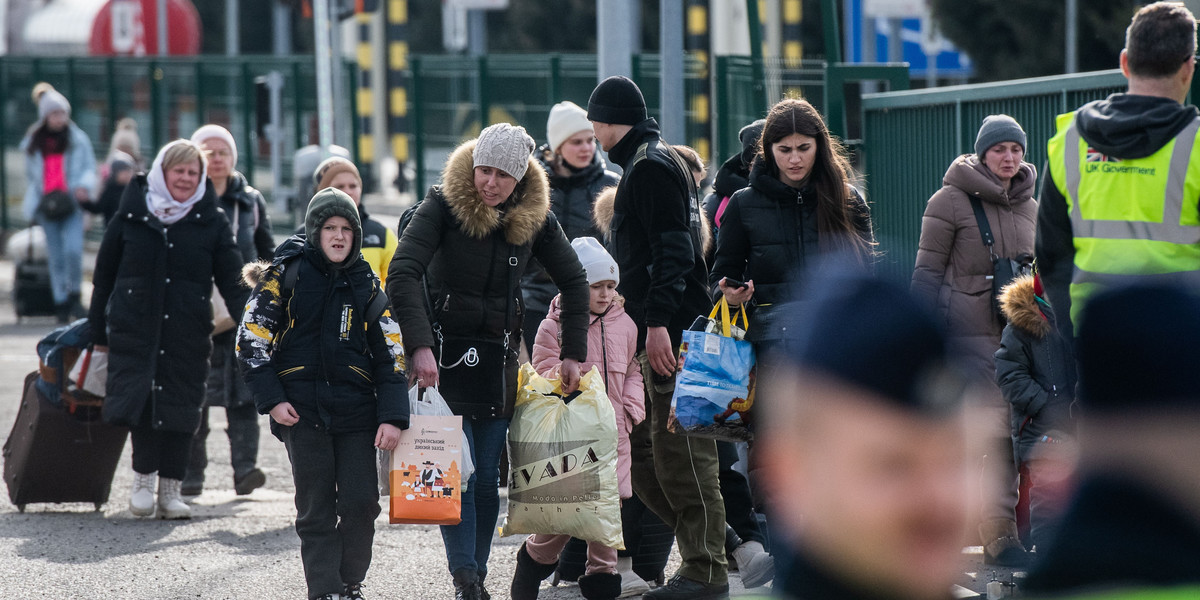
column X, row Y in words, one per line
column 396, row 34
column 364, row 97
column 793, row 47
column 697, row 45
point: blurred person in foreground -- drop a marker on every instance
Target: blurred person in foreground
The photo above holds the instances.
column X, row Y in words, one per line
column 1133, row 527
column 866, row 464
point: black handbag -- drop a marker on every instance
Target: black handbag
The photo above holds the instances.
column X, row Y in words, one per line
column 473, row 372
column 57, row 205
column 1004, row 269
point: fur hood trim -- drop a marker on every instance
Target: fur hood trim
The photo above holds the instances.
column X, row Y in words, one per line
column 524, row 214
column 602, row 215
column 252, row 272
column 1019, row 303
column 602, row 210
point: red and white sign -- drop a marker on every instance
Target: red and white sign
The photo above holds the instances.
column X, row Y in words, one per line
column 127, row 28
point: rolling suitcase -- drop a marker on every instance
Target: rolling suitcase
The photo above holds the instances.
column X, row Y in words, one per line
column 32, row 295
column 56, row 455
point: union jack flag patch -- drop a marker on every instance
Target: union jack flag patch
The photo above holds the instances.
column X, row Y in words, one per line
column 1094, row 155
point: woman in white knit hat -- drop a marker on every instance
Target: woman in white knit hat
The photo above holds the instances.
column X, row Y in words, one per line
column 462, row 256
column 246, row 210
column 60, row 172
column 577, row 175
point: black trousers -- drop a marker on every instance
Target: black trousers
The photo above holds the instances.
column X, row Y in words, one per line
column 336, row 504
column 156, row 450
column 735, row 490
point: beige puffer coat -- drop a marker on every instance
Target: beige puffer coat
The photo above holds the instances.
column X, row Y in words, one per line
column 953, row 271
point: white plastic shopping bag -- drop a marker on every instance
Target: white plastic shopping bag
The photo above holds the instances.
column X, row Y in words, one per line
column 90, row 372
column 563, row 457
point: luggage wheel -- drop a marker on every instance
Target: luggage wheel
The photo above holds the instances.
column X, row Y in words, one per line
column 20, row 508
column 98, row 505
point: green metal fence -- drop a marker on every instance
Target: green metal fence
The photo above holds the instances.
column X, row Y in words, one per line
column 169, row 98
column 450, row 93
column 911, row 137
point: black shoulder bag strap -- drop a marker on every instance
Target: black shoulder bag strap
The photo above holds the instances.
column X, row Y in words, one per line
column 985, row 230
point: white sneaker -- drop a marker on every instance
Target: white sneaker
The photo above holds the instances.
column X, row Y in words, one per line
column 755, row 565
column 170, row 501
column 631, row 583
column 141, row 501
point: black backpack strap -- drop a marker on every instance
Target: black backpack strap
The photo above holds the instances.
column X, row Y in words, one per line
column 985, row 230
column 288, row 283
column 377, row 306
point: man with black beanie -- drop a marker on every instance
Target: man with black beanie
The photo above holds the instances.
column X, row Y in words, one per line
column 655, row 239
column 1133, row 527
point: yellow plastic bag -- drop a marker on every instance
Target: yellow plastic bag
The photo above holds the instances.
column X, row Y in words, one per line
column 563, row 457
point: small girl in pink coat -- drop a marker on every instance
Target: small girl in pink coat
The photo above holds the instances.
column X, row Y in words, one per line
column 612, row 347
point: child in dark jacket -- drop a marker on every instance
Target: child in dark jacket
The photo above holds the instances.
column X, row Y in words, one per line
column 324, row 359
column 1035, row 369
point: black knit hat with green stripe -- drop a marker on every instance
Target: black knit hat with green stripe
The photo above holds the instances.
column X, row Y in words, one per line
column 331, row 202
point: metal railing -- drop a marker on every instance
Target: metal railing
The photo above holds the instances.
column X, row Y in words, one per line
column 911, row 137
column 168, row 97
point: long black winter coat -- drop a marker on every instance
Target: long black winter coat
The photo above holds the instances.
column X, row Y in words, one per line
column 318, row 354
column 150, row 306
column 461, row 247
column 246, row 210
column 656, row 235
column 571, row 200
column 1035, row 367
column 252, row 226
column 769, row 235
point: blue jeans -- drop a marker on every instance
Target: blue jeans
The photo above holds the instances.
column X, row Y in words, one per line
column 469, row 543
column 64, row 249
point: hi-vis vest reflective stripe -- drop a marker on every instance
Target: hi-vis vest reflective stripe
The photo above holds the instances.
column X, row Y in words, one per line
column 1190, row 592
column 1133, row 220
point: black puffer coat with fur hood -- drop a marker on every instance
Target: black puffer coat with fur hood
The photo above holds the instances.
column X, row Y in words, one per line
column 461, row 248
column 1035, row 367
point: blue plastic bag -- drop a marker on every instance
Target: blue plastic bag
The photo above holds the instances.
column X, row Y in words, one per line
column 714, row 387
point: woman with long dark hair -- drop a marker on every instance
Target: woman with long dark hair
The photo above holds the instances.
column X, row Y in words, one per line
column 799, row 206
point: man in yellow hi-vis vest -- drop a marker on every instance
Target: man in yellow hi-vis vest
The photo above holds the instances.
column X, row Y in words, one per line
column 1119, row 202
column 1132, row 529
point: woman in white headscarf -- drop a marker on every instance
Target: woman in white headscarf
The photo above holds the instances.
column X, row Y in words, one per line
column 151, row 311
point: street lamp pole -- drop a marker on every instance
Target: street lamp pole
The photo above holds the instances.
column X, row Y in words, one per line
column 324, row 54
column 1072, row 65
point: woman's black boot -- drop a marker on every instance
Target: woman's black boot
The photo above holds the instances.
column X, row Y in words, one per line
column 529, row 575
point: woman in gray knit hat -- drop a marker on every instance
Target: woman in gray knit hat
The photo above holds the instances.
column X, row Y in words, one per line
column 60, row 173
column 955, row 274
column 462, row 256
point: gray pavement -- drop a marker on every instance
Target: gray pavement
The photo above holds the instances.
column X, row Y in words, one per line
column 234, row 547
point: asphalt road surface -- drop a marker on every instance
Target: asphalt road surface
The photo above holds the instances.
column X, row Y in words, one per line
column 235, row 547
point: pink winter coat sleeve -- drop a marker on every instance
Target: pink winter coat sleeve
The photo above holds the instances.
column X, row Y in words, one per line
column 546, row 347
column 633, row 394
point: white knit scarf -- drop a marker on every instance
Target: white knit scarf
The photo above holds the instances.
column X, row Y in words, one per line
column 158, row 197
